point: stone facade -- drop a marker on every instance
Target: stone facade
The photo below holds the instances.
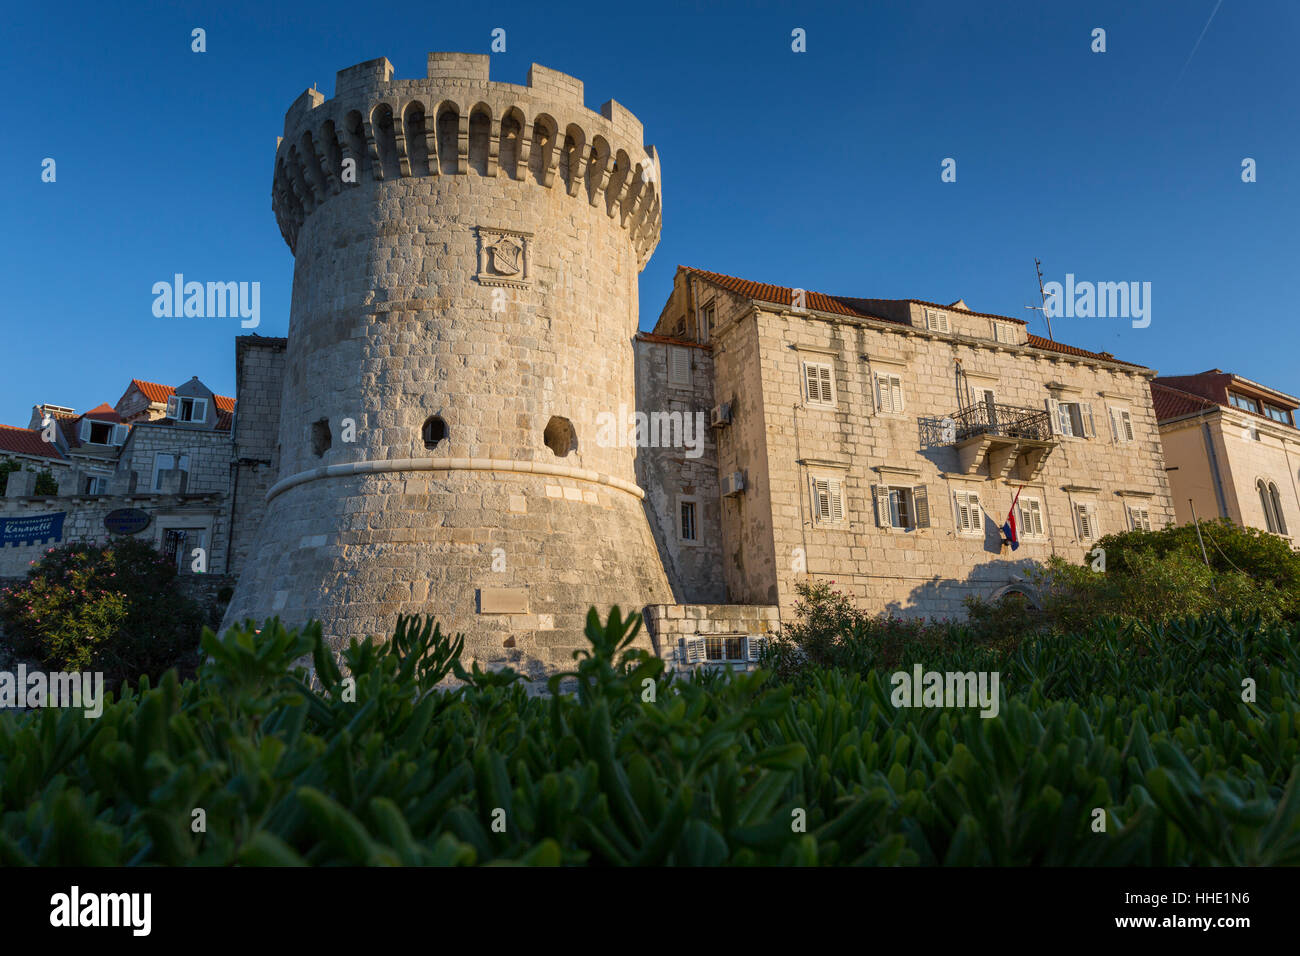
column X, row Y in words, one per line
column 677, row 464
column 259, row 377
column 1227, row 461
column 729, row 635
column 468, row 305
column 860, row 430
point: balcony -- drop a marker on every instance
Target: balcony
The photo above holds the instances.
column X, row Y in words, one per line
column 1003, row 437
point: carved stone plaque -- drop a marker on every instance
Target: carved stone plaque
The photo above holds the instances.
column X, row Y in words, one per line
column 504, row 257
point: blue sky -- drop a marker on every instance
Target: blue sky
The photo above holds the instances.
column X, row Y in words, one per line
column 819, row 170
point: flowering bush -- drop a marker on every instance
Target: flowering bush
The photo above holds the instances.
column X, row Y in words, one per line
column 113, row 608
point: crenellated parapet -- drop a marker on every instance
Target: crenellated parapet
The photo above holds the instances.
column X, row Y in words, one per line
column 456, row 122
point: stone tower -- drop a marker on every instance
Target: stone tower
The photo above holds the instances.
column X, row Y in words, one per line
column 464, row 302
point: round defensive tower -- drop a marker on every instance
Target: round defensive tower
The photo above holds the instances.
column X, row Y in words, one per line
column 464, row 302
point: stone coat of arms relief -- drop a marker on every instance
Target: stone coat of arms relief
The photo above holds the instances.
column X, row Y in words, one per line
column 504, row 257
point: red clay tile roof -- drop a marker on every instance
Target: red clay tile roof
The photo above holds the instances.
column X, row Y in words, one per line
column 850, row 306
column 103, row 412
column 672, row 340
column 1038, row 342
column 224, row 419
column 26, row 441
column 1175, row 403
column 160, row 393
column 781, row 295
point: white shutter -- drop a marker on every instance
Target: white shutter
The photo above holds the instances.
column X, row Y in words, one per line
column 810, row 382
column 1085, row 414
column 882, row 393
column 692, row 650
column 1114, row 424
column 754, row 646
column 1126, row 420
column 828, row 392
column 881, row 494
column 822, row 499
column 1087, row 526
column 199, row 410
column 921, row 500
column 173, row 406
column 679, row 366
column 1054, row 416
column 896, row 387
column 119, row 434
column 83, row 429
column 835, row 493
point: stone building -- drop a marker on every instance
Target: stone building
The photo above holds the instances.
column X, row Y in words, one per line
column 880, row 443
column 465, row 422
column 158, row 463
column 1231, row 449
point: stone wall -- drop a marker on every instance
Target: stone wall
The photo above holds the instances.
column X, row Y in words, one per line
column 259, row 377
column 673, row 474
column 669, row 624
column 84, row 522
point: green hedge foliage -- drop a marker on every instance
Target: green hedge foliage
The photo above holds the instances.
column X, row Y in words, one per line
column 1147, row 724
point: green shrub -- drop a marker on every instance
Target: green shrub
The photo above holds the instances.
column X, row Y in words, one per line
column 382, row 766
column 113, row 608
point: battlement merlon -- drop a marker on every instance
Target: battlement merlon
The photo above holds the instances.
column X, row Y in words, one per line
column 373, row 80
column 390, row 129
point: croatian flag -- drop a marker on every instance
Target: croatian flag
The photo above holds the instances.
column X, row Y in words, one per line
column 1009, row 529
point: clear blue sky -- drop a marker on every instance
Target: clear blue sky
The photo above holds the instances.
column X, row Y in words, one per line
column 819, row 170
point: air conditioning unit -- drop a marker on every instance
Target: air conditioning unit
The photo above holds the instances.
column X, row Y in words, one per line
column 733, row 484
column 721, row 416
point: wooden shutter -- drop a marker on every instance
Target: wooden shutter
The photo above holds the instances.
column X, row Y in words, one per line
column 881, row 494
column 827, row 392
column 1085, row 415
column 1126, row 419
column 1114, row 424
column 836, row 498
column 1086, row 524
column 882, row 393
column 1053, row 417
column 173, row 404
column 896, row 398
column 119, row 434
column 83, row 429
column 921, row 505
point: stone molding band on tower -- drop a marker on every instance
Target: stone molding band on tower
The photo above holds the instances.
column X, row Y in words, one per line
column 456, row 120
column 354, row 468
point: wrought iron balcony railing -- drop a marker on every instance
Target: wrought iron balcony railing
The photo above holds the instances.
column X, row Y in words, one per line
column 1003, row 421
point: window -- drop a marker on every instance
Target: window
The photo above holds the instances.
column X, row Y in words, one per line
column 1139, row 517
column 1003, row 332
column 101, row 433
column 970, row 517
column 1244, row 403
column 706, row 322
column 320, row 437
column 95, row 485
column 679, row 366
column 1121, row 425
column 985, row 396
column 1277, row 414
column 164, row 464
column 901, row 506
column 1030, row 522
column 828, row 500
column 1271, row 502
column 434, row 431
column 560, row 436
column 724, row 648
column 1073, row 419
column 179, row 544
column 889, row 393
column 937, row 321
column 184, row 409
column 819, row 383
column 1085, row 516
column 687, row 528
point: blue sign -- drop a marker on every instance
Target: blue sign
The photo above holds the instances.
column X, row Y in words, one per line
column 126, row 520
column 37, row 529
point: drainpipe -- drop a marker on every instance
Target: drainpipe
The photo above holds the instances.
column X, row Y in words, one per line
column 1214, row 468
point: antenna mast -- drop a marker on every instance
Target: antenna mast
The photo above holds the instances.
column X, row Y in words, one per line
column 1047, row 316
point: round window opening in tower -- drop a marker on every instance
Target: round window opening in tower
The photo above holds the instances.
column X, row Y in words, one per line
column 560, row 437
column 434, row 431
column 320, row 437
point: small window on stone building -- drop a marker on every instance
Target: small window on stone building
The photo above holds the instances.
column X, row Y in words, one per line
column 706, row 322
column 689, row 532
column 560, row 437
column 679, row 366
column 320, row 437
column 434, row 431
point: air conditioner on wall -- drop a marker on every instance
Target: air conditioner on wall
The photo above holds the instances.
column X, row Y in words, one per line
column 721, row 416
column 733, row 484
